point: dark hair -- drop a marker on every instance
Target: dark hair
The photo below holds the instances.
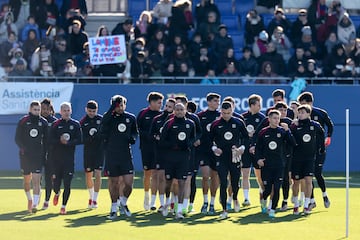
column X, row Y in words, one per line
column 92, row 104
column 229, row 99
column 47, row 101
column 182, row 99
column 253, row 98
column 34, row 103
column 274, row 111
column 278, row 92
column 306, row 96
column 191, row 106
column 226, row 105
column 154, row 96
column 280, row 105
column 171, row 100
column 305, row 107
column 211, row 96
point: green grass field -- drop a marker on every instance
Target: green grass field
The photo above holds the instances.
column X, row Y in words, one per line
column 249, row 223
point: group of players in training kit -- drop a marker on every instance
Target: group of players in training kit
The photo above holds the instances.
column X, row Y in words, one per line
column 286, row 147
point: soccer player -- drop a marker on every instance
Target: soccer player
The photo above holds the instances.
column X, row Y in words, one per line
column 65, row 134
column 155, row 131
column 227, row 134
column 47, row 112
column 144, row 120
column 309, row 136
column 278, row 95
column 177, row 136
column 93, row 151
column 191, row 107
column 190, row 184
column 204, row 156
column 31, row 138
column 119, row 132
column 252, row 119
column 322, row 117
column 269, row 153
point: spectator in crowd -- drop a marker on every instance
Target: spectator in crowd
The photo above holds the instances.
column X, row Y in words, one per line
column 222, row 42
column 69, row 69
column 330, row 24
column 73, row 14
column 299, row 23
column 7, row 26
column 259, row 47
column 140, row 69
column 138, row 45
column 21, row 10
column 18, row 54
column 301, row 71
column 298, row 56
column 203, row 63
column 30, row 44
column 279, row 19
column 144, row 27
column 77, row 38
column 194, row 46
column 179, row 57
column 41, row 55
column 5, row 8
column 47, row 16
column 313, row 70
column 169, row 72
column 317, row 12
column 348, row 71
column 59, row 57
column 350, row 46
column 253, row 26
column 181, row 20
column 74, row 4
column 345, row 29
column 281, row 43
column 158, row 60
column 5, row 69
column 248, row 66
column 30, row 25
column 7, row 47
column 310, row 47
column 230, row 74
column 83, row 58
column 266, row 6
column 267, row 75
column 335, row 61
column 155, row 40
column 20, row 71
column 224, row 60
column 210, row 78
column 331, row 42
column 177, row 41
column 124, row 28
column 102, row 31
column 355, row 53
column 202, row 10
column 162, row 11
column 208, row 29
column 277, row 61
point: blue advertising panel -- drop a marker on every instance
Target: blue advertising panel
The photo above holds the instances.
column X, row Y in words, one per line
column 335, row 99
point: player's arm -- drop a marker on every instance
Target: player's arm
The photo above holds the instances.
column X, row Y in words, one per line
column 259, row 147
column 320, row 139
column 198, row 128
column 18, row 136
column 263, row 123
column 76, row 139
column 86, row 138
column 134, row 132
column 244, row 134
column 164, row 141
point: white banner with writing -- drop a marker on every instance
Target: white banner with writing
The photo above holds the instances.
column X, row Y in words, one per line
column 15, row 98
column 107, row 50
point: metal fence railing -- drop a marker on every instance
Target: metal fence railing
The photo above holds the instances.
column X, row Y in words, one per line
column 186, row 80
column 107, row 6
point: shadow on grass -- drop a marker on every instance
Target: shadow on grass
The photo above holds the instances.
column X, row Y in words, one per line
column 38, row 216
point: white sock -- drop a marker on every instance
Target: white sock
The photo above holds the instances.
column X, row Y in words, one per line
column 114, row 207
column 293, row 199
column 118, row 201
column 312, row 200
column 95, row 196
column 63, row 206
column 230, row 198
column 153, row 198
column 206, row 198
column 124, row 201
column 324, row 194
column 146, row 195
column 180, row 207
column 270, row 204
column 302, row 195
column 296, row 202
column 176, row 199
column 28, row 195
column 91, row 192
column 36, row 200
column 306, row 203
column 185, row 203
column 168, row 201
column 246, row 194
column 212, row 200
column 162, row 198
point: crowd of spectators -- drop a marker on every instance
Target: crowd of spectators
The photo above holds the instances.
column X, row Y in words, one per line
column 174, row 42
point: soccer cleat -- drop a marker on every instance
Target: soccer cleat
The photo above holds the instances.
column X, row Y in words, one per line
column 62, row 211
column 184, row 211
column 34, row 209
column 121, row 209
column 126, row 210
column 153, row 208
column 223, row 215
column 89, row 204
column 263, row 206
column 172, row 206
column 312, row 206
column 204, row 208
column 307, row 211
column 190, row 208
column 29, row 206
column 56, row 199
column 236, row 206
column 284, row 206
column 94, row 204
column 246, row 203
column 228, row 206
column 160, row 209
column 175, row 207
column 272, row 213
column 45, row 206
column 211, row 210
column 179, row 216
column 146, row 204
column 112, row 215
column 326, row 202
column 296, row 211
column 165, row 211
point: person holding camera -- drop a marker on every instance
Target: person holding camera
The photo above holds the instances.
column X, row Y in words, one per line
column 119, row 131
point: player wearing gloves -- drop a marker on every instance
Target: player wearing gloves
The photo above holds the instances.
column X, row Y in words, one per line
column 119, row 132
column 269, row 153
column 228, row 134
